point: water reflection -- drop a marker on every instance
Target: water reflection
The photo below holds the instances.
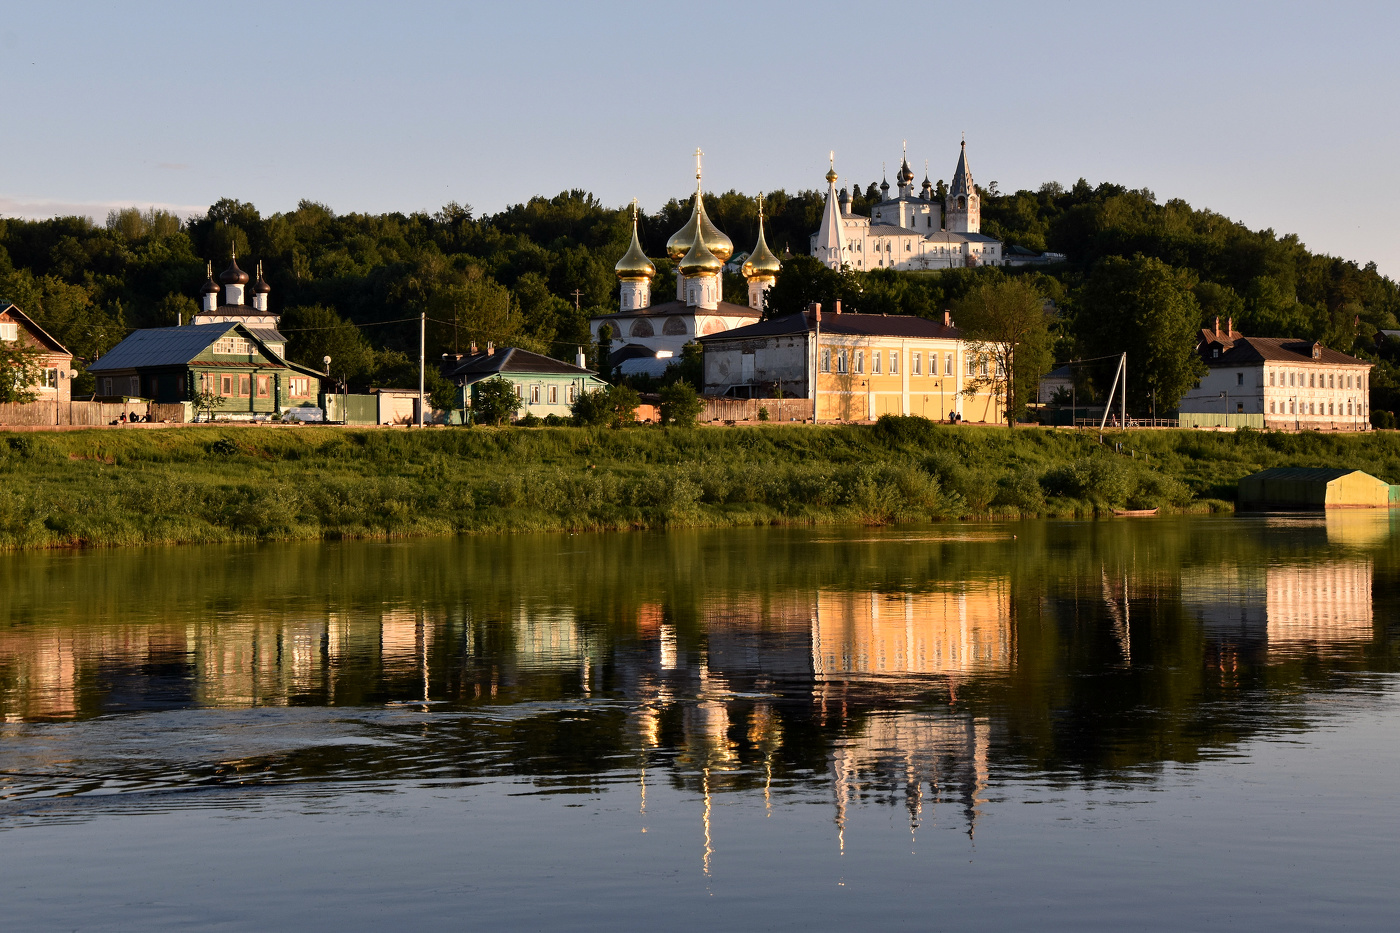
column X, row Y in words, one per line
column 868, row 668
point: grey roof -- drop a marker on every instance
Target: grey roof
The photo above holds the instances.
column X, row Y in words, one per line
column 514, row 360
column 267, row 334
column 962, row 175
column 853, row 325
column 680, row 307
column 1277, row 349
column 161, row 346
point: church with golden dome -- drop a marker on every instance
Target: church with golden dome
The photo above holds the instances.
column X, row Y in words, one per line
column 648, row 337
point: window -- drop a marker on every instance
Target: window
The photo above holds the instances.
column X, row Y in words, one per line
column 860, row 361
column 1330, row 380
column 1271, row 378
column 554, row 395
column 135, row 388
column 916, row 363
column 226, row 386
column 573, row 393
column 1312, row 380
column 301, row 386
column 1348, row 407
column 826, row 359
column 243, row 386
column 982, row 369
column 1310, row 408
column 840, row 361
column 9, row 331
column 106, row 385
column 1239, row 407
column 262, row 387
column 948, row 365
column 1329, row 408
column 519, row 390
column 534, row 395
column 971, row 365
column 875, row 362
column 894, row 362
column 232, row 346
column 1271, row 408
column 1290, row 378
column 1239, row 379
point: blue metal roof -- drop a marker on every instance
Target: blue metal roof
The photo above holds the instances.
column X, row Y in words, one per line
column 161, row 346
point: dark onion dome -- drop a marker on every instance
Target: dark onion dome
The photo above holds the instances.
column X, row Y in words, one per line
column 210, row 287
column 260, row 287
column 906, row 174
column 233, row 275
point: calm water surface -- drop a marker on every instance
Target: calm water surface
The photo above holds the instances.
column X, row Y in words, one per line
column 1159, row 724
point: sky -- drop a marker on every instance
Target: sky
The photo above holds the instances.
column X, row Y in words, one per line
column 1277, row 115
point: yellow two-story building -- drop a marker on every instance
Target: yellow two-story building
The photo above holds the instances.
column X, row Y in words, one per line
column 857, row 367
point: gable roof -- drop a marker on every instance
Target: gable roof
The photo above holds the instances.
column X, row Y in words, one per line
column 35, row 331
column 852, row 325
column 1250, row 350
column 515, row 360
column 178, row 346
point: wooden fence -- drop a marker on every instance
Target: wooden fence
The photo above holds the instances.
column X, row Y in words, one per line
column 746, row 409
column 85, row 414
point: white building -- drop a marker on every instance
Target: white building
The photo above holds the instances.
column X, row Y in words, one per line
column 646, row 337
column 1294, row 384
column 257, row 317
column 909, row 231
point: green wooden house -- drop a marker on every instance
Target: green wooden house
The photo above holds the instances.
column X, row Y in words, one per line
column 544, row 386
column 173, row 364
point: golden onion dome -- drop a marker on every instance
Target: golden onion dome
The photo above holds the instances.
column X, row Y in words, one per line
column 634, row 263
column 680, row 243
column 701, row 260
column 761, row 263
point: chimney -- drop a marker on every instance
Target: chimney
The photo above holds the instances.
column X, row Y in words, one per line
column 179, row 319
column 815, row 310
column 1229, row 326
column 579, row 359
column 836, row 306
column 947, row 319
column 475, row 351
column 490, row 348
column 1217, row 325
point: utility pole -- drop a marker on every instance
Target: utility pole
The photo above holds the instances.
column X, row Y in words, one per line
column 422, row 360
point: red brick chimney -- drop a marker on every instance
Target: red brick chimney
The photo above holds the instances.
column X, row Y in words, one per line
column 1229, row 327
column 947, row 319
column 836, row 305
column 1217, row 325
column 815, row 310
column 490, row 348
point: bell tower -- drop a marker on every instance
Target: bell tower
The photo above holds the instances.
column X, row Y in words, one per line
column 964, row 208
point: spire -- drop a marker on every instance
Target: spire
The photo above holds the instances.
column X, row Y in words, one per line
column 962, row 175
column 761, row 262
column 830, row 247
column 634, row 264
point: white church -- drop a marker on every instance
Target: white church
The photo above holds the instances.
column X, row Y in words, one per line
column 908, row 231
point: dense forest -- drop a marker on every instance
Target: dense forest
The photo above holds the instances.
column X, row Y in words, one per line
column 352, row 285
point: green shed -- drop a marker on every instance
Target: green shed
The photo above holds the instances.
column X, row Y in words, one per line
column 1313, row 488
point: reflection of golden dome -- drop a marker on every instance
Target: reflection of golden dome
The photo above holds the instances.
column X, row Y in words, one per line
column 683, row 239
column 761, row 262
column 701, row 260
column 634, row 264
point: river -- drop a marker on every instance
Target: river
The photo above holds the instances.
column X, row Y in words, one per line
column 1163, row 724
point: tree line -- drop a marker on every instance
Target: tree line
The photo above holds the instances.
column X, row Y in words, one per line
column 1139, row 276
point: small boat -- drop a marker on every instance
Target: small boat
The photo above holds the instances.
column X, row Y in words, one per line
column 1132, row 513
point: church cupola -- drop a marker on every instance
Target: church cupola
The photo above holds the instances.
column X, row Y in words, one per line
column 209, row 294
column 905, row 176
column 845, row 203
column 701, row 270
column 926, row 192
column 762, row 267
column 963, row 210
column 699, row 228
column 635, row 271
column 260, row 290
column 234, row 280
column 831, row 246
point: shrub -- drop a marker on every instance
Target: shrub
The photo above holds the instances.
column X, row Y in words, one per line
column 494, row 401
column 530, row 420
column 591, row 409
column 622, row 402
column 1385, row 420
column 223, row 447
column 762, row 413
column 680, row 405
column 1021, row 490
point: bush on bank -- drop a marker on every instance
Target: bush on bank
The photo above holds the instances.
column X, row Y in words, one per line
column 99, row 488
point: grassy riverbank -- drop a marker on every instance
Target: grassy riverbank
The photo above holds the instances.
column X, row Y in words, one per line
column 106, row 488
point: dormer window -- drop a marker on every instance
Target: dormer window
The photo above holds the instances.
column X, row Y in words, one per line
column 1215, row 352
column 1317, row 351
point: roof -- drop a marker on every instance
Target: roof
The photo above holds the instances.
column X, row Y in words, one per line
column 962, row 175
column 1250, row 350
column 854, row 325
column 34, row 329
column 178, row 346
column 680, row 307
column 652, row 366
column 267, row 334
column 515, row 360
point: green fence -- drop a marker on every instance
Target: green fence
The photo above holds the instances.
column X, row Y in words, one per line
column 1196, row 419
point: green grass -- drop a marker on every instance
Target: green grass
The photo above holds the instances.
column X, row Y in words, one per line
column 108, row 488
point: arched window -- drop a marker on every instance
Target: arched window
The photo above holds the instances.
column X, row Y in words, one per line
column 674, row 327
column 642, row 328
column 962, row 203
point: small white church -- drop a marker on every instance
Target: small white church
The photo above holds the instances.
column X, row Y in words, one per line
column 910, row 231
